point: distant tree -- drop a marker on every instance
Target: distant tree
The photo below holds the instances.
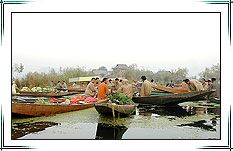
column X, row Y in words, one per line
column 103, row 68
column 212, row 72
column 179, row 75
column 18, row 68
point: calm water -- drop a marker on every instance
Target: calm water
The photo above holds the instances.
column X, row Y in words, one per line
column 189, row 120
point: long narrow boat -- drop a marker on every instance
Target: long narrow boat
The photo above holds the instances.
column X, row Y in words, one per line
column 172, row 98
column 110, row 109
column 45, row 94
column 80, row 89
column 215, row 100
column 44, row 109
column 171, row 90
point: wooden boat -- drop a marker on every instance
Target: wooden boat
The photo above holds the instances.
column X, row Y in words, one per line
column 171, row 90
column 45, row 94
column 172, row 98
column 44, row 109
column 177, row 85
column 215, row 100
column 157, row 91
column 80, row 89
column 115, row 110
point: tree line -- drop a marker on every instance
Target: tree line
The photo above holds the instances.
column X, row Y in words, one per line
column 133, row 72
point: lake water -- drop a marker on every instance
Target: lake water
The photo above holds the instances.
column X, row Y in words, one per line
column 189, row 120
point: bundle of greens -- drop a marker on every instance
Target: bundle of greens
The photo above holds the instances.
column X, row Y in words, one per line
column 41, row 101
column 121, row 99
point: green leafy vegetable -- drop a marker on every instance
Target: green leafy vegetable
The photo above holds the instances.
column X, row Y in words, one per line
column 121, row 99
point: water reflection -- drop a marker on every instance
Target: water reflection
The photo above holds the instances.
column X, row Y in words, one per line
column 147, row 110
column 179, row 121
column 178, row 110
column 22, row 129
column 203, row 124
column 108, row 131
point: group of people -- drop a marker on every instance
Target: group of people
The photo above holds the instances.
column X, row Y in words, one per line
column 195, row 85
column 109, row 86
column 106, row 87
column 60, row 85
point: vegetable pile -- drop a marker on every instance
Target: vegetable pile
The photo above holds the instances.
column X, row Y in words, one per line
column 121, row 99
column 39, row 89
column 67, row 100
column 90, row 100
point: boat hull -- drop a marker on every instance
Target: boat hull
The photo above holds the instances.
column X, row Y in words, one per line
column 122, row 110
column 218, row 101
column 44, row 110
column 172, row 98
column 81, row 89
column 45, row 94
column 171, row 90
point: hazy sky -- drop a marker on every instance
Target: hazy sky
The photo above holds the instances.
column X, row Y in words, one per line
column 154, row 41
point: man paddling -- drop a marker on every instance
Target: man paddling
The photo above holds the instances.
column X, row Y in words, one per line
column 194, row 85
column 91, row 90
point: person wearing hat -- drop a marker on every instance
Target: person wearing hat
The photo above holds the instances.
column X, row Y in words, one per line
column 126, row 88
column 194, row 85
column 91, row 90
column 115, row 86
column 216, row 86
column 145, row 89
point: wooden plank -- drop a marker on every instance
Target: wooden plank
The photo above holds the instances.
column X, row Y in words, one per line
column 171, row 90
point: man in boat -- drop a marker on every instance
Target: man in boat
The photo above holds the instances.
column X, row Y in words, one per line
column 91, row 89
column 64, row 85
column 51, row 84
column 126, row 88
column 74, row 84
column 216, row 86
column 13, row 88
column 97, row 82
column 103, row 89
column 204, row 84
column 183, row 85
column 115, row 86
column 194, row 85
column 110, row 84
column 134, row 85
column 209, row 82
column 59, row 85
column 153, row 82
column 135, row 82
column 171, row 84
column 145, row 89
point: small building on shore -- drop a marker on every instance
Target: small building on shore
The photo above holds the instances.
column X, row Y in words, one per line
column 120, row 70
